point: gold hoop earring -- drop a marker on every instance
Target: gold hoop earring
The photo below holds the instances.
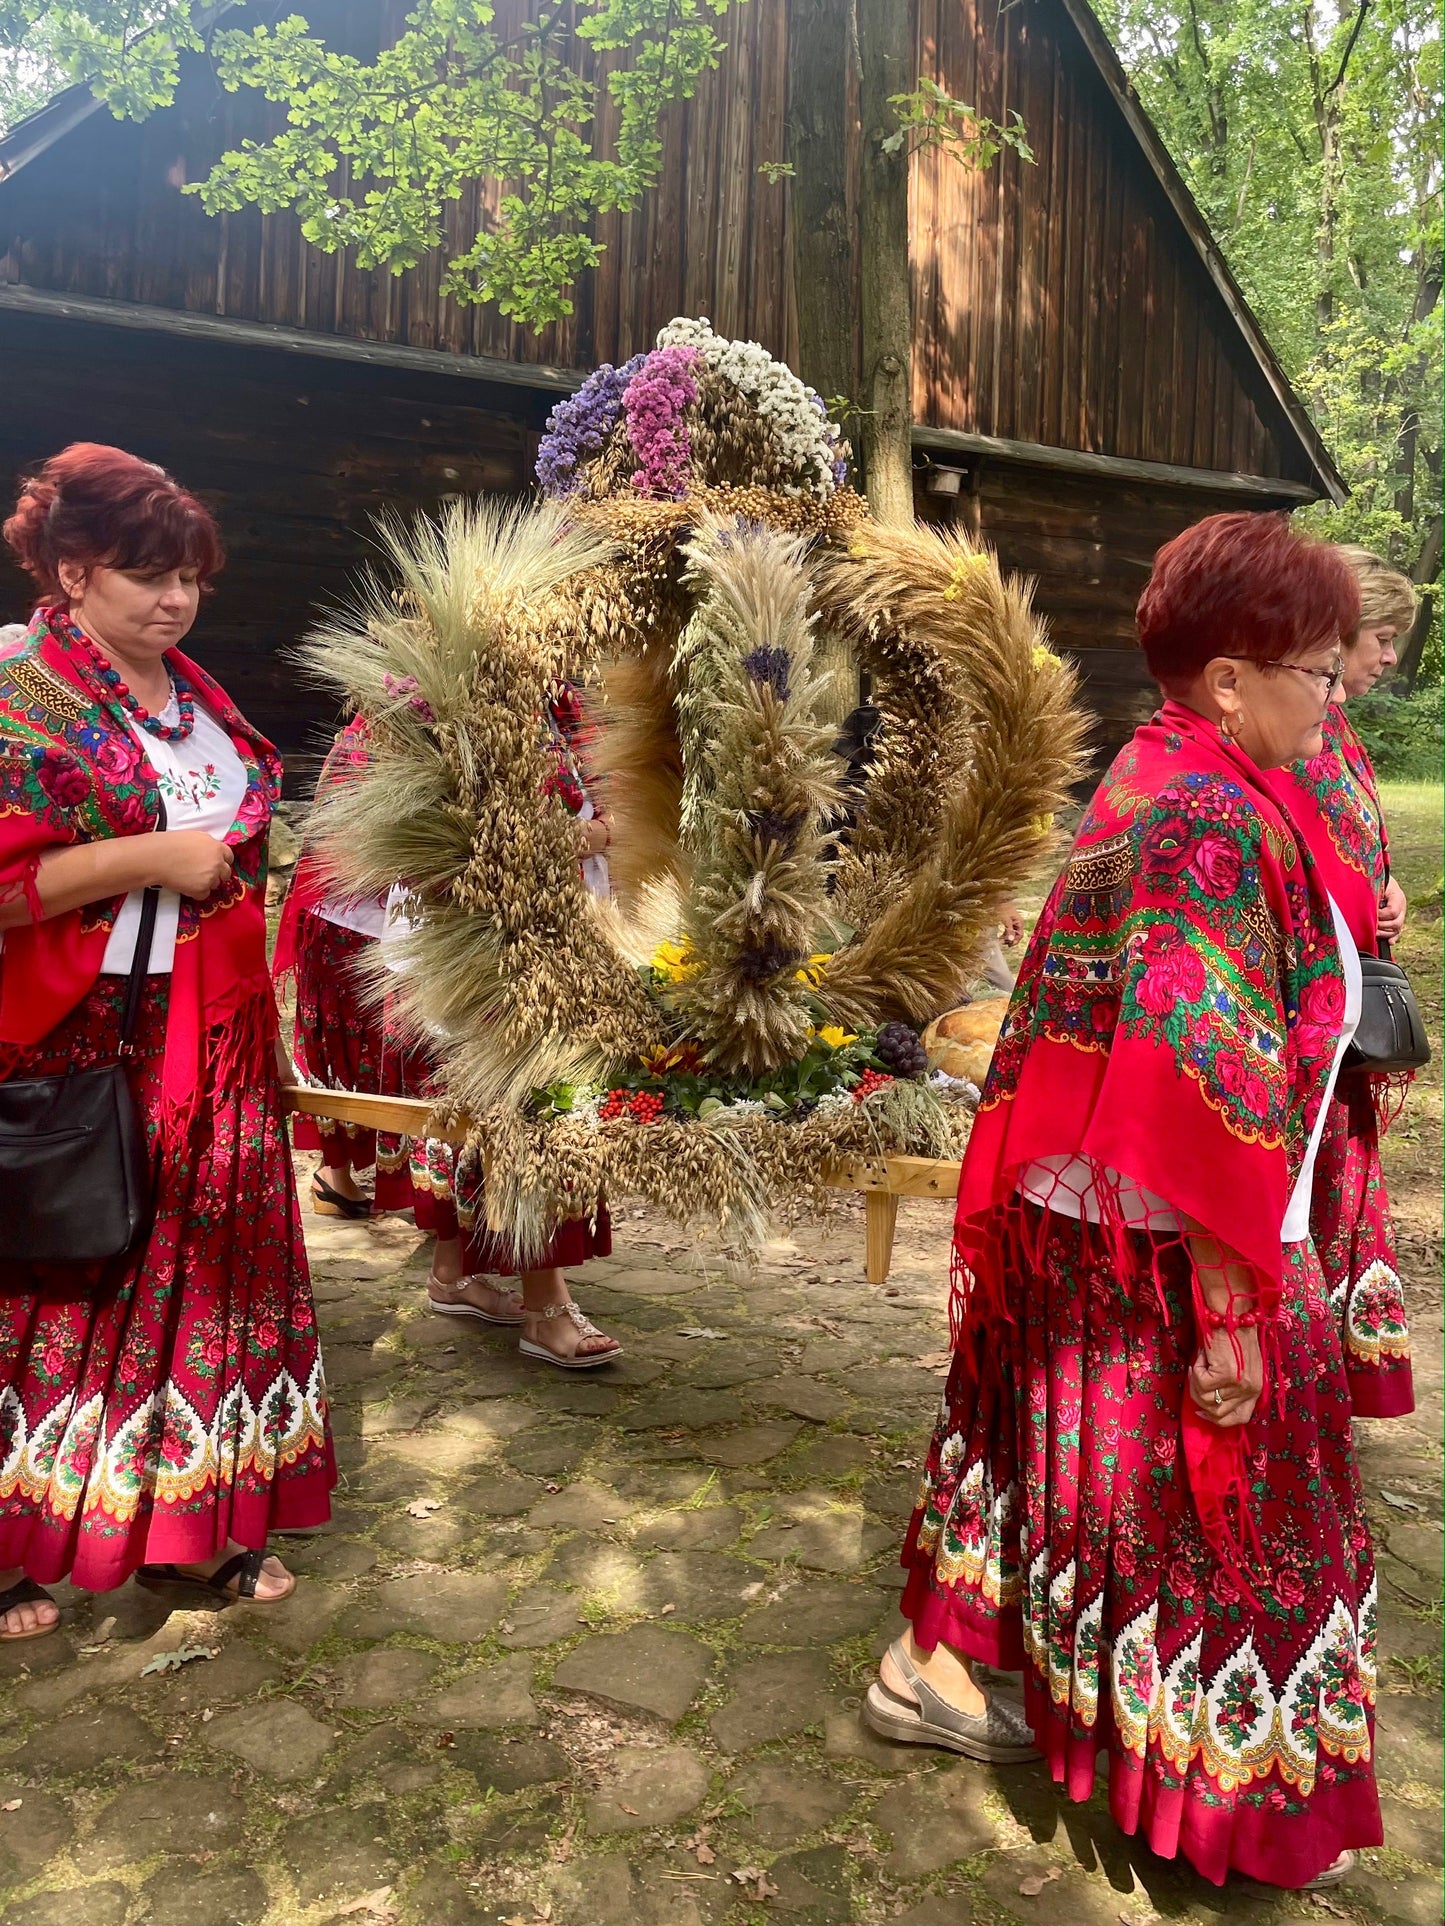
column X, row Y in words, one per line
column 1226, row 732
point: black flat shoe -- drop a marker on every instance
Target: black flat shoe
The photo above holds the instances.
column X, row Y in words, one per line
column 326, row 1202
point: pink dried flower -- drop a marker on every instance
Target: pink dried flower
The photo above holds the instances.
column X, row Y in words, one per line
column 401, row 687
column 655, row 408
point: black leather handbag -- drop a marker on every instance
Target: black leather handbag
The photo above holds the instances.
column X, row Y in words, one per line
column 75, row 1181
column 1391, row 1037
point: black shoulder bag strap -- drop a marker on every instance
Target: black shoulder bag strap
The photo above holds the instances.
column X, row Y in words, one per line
column 140, row 963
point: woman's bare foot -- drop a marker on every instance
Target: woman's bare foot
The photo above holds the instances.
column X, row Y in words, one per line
column 473, row 1296
column 560, row 1334
column 342, row 1179
column 947, row 1671
column 30, row 1619
column 273, row 1582
column 557, row 1332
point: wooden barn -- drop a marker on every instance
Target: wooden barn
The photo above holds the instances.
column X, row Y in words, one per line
column 1087, row 376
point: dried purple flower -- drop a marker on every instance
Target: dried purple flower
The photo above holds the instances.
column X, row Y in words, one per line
column 770, row 666
column 766, row 959
column 774, row 826
column 404, row 688
column 578, row 426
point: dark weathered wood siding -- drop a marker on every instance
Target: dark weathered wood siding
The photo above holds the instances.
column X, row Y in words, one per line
column 1059, row 302
column 296, row 457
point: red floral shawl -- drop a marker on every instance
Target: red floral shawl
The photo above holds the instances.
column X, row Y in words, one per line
column 312, row 884
column 1175, row 1021
column 1334, row 801
column 71, row 771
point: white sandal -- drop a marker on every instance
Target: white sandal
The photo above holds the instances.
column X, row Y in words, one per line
column 579, row 1361
column 510, row 1318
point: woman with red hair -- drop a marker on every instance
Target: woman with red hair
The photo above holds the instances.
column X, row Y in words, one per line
column 1333, row 799
column 1142, row 1489
column 164, row 1412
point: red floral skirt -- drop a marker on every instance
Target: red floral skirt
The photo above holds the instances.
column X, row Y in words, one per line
column 1355, row 1239
column 337, row 1037
column 435, row 1180
column 178, row 1401
column 1055, row 1531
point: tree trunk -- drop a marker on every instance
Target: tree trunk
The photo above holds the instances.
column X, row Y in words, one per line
column 885, row 51
column 1427, row 567
column 821, row 45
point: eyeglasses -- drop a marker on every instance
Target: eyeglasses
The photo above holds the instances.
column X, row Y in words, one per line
column 1331, row 677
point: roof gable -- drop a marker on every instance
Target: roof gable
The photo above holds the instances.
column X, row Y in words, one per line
column 1078, row 304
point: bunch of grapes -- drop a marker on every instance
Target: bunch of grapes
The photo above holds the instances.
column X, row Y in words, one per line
column 643, row 1106
column 902, row 1050
column 870, row 1081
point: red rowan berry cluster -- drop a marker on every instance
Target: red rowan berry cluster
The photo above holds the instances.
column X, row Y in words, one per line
column 870, row 1081
column 643, row 1106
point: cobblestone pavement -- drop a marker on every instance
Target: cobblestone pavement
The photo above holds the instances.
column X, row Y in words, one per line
column 589, row 1649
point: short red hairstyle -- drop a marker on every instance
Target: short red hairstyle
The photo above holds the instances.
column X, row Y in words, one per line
column 96, row 506
column 1243, row 584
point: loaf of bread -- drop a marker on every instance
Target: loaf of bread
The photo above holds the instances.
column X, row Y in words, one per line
column 960, row 1042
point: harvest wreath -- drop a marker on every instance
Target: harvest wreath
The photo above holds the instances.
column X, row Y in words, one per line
column 744, row 1016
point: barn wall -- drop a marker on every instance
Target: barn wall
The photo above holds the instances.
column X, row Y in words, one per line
column 1088, row 546
column 295, row 457
column 1059, row 303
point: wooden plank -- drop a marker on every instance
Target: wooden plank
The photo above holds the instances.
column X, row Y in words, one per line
column 898, row 1176
column 1032, row 330
column 1264, row 489
column 1050, row 428
column 926, row 204
column 1095, row 279
column 415, row 1117
column 1005, row 281
column 407, row 1116
column 261, row 334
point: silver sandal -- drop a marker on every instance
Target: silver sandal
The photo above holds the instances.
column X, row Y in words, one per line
column 585, row 1329
column 1335, row 1874
column 999, row 1735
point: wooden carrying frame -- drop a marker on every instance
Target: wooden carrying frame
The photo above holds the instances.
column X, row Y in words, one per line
column 881, row 1180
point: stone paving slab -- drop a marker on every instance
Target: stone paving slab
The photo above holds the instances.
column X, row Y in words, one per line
column 616, row 1671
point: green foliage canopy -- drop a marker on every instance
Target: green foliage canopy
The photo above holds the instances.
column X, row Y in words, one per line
column 1309, row 132
column 375, row 153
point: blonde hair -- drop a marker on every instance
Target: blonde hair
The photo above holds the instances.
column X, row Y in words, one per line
column 1386, row 596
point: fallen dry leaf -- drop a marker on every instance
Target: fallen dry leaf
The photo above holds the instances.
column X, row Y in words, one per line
column 934, row 1361
column 551, row 1485
column 1035, row 1883
column 704, row 1854
column 666, row 1610
column 423, row 1507
column 377, row 1904
column 173, row 1661
column 1399, row 1502
column 12, row 1805
column 631, row 1811
column 701, row 1331
column 755, row 1882
column 445, row 1739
